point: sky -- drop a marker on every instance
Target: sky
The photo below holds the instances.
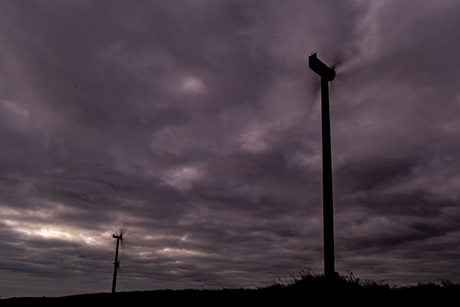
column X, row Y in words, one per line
column 195, row 128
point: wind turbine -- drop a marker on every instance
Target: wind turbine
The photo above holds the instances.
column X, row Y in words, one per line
column 327, row 74
column 116, row 263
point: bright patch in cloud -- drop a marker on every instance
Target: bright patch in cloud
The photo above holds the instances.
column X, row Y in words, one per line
column 182, row 178
column 193, row 85
column 254, row 140
column 16, row 108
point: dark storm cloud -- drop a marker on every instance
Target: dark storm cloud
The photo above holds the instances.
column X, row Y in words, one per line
column 196, row 126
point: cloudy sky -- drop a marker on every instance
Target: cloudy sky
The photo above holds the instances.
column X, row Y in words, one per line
column 196, row 126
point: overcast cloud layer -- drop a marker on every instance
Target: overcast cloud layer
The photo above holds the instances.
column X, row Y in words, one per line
column 196, row 126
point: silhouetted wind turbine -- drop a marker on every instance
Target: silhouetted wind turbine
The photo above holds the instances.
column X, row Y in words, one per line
column 327, row 74
column 116, row 263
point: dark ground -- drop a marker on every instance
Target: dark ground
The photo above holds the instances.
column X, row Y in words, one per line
column 305, row 289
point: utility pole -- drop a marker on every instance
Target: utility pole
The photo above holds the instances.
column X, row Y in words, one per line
column 327, row 74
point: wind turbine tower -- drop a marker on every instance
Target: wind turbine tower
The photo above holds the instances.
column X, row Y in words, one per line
column 116, row 263
column 327, row 74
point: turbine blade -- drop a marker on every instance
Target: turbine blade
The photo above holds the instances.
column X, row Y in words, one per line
column 123, row 227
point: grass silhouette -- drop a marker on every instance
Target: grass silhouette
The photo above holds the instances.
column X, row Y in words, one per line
column 306, row 288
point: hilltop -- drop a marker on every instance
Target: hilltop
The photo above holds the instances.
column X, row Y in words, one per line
column 305, row 288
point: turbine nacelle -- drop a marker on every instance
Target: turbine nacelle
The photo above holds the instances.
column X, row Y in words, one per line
column 320, row 68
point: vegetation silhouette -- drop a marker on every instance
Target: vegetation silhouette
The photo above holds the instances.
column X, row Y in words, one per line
column 306, row 288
